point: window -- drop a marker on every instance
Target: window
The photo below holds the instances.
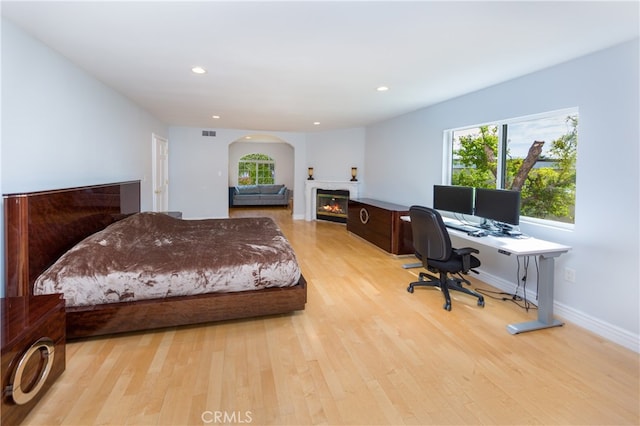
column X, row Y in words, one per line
column 256, row 169
column 533, row 155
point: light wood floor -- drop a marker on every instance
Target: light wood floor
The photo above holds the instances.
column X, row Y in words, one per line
column 364, row 351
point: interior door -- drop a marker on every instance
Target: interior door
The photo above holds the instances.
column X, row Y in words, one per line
column 160, row 174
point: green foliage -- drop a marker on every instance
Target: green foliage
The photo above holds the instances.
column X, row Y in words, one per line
column 544, row 196
column 548, row 191
column 256, row 169
column 262, row 157
column 478, row 155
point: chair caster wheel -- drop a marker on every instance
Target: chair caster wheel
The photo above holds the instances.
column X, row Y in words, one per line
column 410, row 289
column 447, row 306
column 481, row 303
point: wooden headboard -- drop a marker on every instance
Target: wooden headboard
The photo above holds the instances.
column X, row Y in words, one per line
column 41, row 226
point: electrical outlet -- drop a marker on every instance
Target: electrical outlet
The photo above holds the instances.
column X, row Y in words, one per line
column 570, row 275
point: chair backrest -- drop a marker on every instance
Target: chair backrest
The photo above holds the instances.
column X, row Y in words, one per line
column 430, row 236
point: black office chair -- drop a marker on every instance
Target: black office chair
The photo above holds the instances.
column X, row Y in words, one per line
column 433, row 247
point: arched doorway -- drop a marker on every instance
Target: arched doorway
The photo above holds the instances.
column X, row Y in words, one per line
column 280, row 151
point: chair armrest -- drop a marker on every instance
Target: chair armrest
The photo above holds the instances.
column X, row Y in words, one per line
column 465, row 252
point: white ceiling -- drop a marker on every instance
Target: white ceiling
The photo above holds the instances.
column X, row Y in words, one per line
column 283, row 65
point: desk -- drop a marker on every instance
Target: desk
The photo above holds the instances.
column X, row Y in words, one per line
column 546, row 252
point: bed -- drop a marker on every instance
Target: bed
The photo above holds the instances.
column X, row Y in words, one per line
column 41, row 228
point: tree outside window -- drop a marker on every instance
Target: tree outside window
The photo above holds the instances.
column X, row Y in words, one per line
column 254, row 169
column 534, row 156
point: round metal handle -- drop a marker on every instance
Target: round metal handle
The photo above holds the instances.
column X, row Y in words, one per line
column 364, row 215
column 46, row 348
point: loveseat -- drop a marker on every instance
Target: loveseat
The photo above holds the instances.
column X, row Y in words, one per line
column 258, row 195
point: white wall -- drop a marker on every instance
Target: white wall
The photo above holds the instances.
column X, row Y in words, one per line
column 199, row 167
column 333, row 153
column 404, row 160
column 63, row 128
column 199, row 170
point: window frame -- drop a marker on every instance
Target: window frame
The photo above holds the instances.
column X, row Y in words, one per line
column 447, row 169
column 270, row 161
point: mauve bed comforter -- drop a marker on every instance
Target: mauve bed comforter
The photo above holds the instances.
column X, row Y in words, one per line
column 152, row 255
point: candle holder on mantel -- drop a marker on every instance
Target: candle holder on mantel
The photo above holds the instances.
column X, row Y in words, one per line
column 354, row 173
column 310, row 173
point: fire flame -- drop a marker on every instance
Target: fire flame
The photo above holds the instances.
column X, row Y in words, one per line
column 332, row 208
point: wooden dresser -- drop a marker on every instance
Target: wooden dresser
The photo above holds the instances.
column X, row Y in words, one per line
column 33, row 351
column 379, row 223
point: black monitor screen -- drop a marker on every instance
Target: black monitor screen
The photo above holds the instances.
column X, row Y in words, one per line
column 456, row 199
column 498, row 204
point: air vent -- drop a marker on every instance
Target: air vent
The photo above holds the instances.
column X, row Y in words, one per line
column 208, row 133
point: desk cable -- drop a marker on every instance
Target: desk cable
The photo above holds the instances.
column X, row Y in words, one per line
column 521, row 301
column 526, row 260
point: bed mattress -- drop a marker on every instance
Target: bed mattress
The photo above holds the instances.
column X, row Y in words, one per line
column 153, row 255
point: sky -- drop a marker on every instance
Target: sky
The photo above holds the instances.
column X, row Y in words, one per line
column 522, row 134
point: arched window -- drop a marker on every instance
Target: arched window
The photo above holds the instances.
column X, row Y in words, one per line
column 254, row 169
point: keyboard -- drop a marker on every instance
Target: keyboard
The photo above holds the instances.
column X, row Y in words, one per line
column 460, row 227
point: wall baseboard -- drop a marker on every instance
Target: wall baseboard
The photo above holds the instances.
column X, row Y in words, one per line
column 601, row 328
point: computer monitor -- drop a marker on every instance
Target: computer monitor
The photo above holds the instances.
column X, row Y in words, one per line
column 455, row 199
column 499, row 205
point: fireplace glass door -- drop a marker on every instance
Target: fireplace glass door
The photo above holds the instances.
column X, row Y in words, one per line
column 332, row 205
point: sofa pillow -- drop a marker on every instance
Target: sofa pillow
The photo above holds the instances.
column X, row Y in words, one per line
column 247, row 189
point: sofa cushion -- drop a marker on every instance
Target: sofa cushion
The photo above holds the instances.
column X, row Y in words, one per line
column 247, row 189
column 249, row 199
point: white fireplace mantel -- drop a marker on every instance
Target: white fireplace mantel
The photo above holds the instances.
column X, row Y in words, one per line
column 311, row 188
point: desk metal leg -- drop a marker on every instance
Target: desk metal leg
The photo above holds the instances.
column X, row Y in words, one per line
column 545, row 299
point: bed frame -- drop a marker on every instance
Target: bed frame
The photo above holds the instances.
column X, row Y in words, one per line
column 41, row 226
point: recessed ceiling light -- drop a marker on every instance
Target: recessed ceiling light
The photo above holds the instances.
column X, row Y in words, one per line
column 198, row 70
column 382, row 89
column 316, row 123
column 215, row 116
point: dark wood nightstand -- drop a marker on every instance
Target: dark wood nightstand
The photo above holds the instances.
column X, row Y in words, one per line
column 33, row 351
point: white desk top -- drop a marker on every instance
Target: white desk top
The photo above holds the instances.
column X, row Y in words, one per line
column 517, row 246
column 508, row 245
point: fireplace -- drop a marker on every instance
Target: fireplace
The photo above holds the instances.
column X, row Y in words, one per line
column 332, row 205
column 311, row 187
